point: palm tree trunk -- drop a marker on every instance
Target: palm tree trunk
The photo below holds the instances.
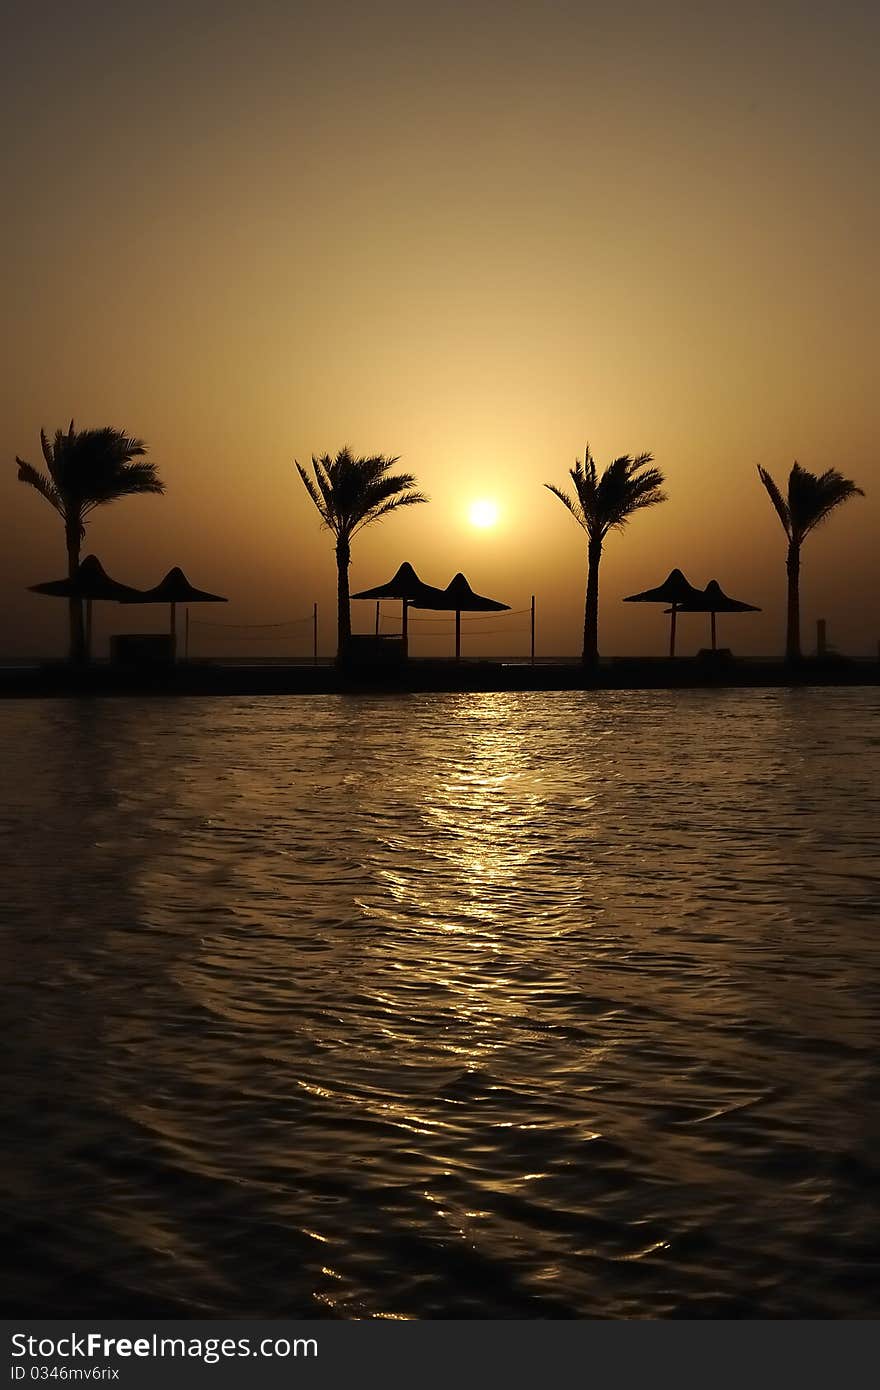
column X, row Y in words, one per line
column 74, row 605
column 591, row 608
column 793, row 626
column 343, row 603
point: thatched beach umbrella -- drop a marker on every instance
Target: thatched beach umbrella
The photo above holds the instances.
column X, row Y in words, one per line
column 406, row 586
column 459, row 597
column 175, row 588
column 676, row 590
column 90, row 582
column 714, row 600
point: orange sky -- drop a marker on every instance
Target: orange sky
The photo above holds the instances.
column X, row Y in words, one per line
column 471, row 235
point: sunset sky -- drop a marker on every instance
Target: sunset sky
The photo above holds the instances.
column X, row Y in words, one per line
column 473, row 235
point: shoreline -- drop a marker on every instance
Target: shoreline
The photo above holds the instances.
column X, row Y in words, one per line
column 426, row 676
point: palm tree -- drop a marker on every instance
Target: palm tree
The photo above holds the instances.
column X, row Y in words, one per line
column 87, row 469
column 811, row 498
column 351, row 493
column 600, row 505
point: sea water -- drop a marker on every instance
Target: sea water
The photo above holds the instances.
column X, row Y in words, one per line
column 426, row 1006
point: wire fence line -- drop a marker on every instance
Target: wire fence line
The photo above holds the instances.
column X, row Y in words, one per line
column 473, row 617
column 287, row 622
column 291, row 633
column 271, row 629
column 295, row 638
column 260, row 636
column 482, row 632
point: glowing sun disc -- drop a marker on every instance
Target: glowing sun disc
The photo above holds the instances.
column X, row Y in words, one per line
column 483, row 513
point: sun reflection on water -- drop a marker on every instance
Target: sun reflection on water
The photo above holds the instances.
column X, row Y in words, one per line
column 428, row 1005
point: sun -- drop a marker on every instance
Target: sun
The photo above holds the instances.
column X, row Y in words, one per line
column 483, row 513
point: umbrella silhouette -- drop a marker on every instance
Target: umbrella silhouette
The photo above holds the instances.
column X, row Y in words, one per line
column 173, row 589
column 90, row 582
column 459, row 597
column 406, row 586
column 676, row 590
column 714, row 600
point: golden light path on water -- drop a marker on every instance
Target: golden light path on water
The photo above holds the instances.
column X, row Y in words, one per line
column 443, row 1006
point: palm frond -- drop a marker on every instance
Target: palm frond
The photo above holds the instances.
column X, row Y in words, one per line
column 376, row 492
column 639, row 490
column 48, row 451
column 324, row 480
column 779, row 502
column 626, row 486
column 590, row 469
column 126, row 481
column 410, row 499
column 88, row 469
column 832, row 503
column 56, row 452
column 574, row 507
column 812, row 498
column 350, row 492
column 142, row 477
column 40, row 483
column 316, row 495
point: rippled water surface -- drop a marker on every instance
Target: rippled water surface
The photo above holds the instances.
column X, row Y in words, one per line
column 540, row 1005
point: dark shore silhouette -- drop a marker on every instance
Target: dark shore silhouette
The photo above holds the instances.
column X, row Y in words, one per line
column 623, row 673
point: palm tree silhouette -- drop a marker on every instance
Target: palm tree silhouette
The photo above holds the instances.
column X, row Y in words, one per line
column 351, row 493
column 811, row 498
column 600, row 505
column 87, row 469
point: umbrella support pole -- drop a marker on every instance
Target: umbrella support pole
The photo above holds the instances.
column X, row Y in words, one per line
column 315, row 633
column 532, row 645
column 186, row 637
column 713, row 632
column 404, row 626
column 173, row 631
column 672, row 631
column 458, row 634
column 88, row 628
